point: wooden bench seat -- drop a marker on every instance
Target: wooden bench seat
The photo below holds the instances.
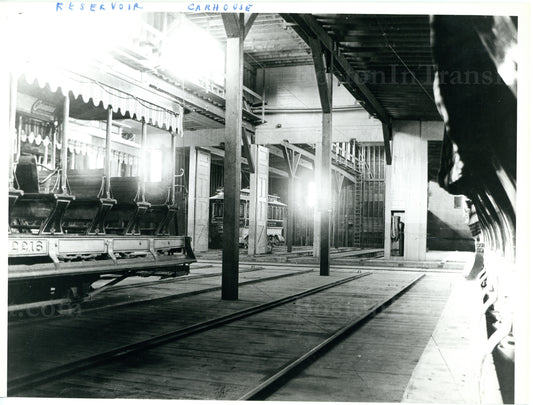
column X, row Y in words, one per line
column 88, row 212
column 125, row 216
column 160, row 216
column 38, row 213
column 32, row 211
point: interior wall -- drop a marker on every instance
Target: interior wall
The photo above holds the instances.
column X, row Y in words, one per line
column 295, row 87
column 293, row 93
column 406, row 185
column 372, row 206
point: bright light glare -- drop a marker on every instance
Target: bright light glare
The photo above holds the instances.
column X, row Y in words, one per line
column 191, row 53
column 155, row 164
column 507, row 68
column 68, row 40
column 311, row 194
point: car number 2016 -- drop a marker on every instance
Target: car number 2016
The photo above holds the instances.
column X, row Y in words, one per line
column 28, row 247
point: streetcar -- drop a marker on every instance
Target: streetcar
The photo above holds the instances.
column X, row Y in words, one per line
column 276, row 218
column 91, row 188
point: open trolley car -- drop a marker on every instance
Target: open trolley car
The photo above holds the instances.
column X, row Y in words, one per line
column 276, row 217
column 92, row 187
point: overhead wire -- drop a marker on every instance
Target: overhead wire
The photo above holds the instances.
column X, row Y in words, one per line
column 388, row 44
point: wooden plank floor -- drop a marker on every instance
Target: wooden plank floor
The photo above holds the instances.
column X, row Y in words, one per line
column 449, row 370
column 226, row 362
column 182, row 285
column 70, row 338
column 374, row 364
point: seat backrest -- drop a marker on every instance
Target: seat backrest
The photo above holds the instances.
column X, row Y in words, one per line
column 86, row 183
column 156, row 193
column 26, row 175
column 125, row 189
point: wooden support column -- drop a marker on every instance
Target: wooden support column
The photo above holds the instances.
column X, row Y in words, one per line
column 191, row 195
column 324, row 78
column 293, row 160
column 64, row 146
column 201, row 220
column 291, row 200
column 234, row 26
column 172, row 181
column 12, row 124
column 258, row 207
column 9, row 89
column 144, row 158
column 318, row 186
column 339, row 179
column 107, row 159
column 198, row 206
column 325, row 194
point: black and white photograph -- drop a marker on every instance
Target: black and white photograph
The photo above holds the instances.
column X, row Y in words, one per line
column 225, row 200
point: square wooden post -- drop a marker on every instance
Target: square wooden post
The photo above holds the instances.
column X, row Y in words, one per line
column 325, row 193
column 234, row 25
column 258, row 215
column 324, row 78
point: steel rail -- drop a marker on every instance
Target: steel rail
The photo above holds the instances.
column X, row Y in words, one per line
column 25, row 322
column 33, row 380
column 280, row 378
column 351, row 266
column 197, row 292
column 178, row 279
column 60, row 301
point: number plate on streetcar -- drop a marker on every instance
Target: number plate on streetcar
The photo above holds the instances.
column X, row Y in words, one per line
column 28, row 247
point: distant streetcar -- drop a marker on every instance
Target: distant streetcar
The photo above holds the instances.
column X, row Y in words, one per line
column 276, row 217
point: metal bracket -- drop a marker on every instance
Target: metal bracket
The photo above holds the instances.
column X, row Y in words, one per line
column 110, row 251
column 53, row 247
column 152, row 250
column 106, row 286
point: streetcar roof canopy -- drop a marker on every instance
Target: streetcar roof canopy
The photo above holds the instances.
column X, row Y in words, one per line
column 90, row 98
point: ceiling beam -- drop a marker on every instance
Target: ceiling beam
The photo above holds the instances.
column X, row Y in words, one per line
column 191, row 101
column 311, row 156
column 248, row 24
column 324, row 86
column 248, row 151
column 387, row 135
column 202, row 120
column 220, row 153
column 232, row 24
column 347, row 175
column 278, row 172
column 308, row 27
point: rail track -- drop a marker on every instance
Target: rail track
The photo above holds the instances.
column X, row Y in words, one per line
column 94, row 302
column 189, row 277
column 113, row 285
column 191, row 361
column 359, row 265
column 91, row 306
column 17, row 385
column 273, row 382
